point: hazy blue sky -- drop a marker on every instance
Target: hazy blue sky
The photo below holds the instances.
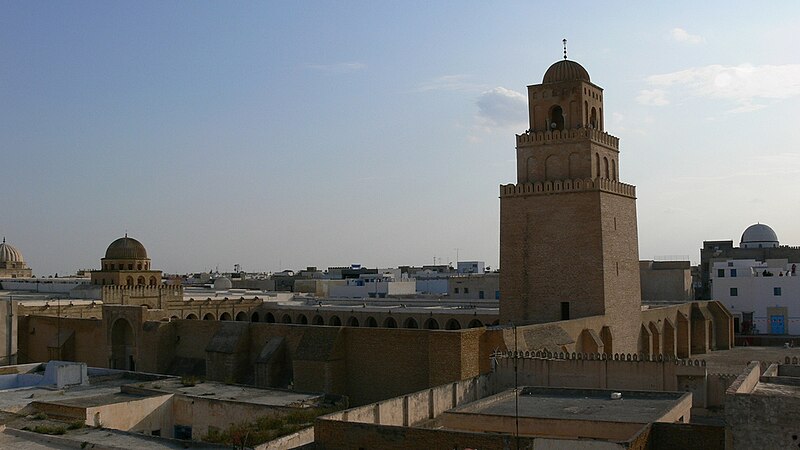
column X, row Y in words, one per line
column 286, row 134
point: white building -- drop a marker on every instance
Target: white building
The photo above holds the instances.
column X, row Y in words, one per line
column 763, row 296
column 375, row 286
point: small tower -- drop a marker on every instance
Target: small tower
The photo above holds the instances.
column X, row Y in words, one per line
column 568, row 233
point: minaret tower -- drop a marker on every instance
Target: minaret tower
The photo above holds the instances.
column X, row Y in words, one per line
column 568, row 233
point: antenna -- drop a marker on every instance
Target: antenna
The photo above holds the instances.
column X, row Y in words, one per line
column 564, row 41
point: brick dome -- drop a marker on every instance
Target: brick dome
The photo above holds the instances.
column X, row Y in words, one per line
column 126, row 248
column 565, row 70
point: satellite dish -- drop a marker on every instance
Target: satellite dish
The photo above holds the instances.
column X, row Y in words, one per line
column 553, row 125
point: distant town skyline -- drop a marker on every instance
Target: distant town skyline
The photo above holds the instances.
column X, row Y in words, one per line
column 280, row 136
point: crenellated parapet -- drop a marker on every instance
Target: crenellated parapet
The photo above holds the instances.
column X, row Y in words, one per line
column 561, row 186
column 561, row 136
column 628, row 357
column 152, row 296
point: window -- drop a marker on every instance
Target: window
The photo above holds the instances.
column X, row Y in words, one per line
column 497, row 295
column 455, row 290
column 776, row 291
column 564, row 310
column 734, row 292
column 721, row 273
column 466, row 290
column 733, row 273
column 480, row 294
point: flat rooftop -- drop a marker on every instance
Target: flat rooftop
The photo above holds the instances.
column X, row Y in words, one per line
column 237, row 393
column 578, row 404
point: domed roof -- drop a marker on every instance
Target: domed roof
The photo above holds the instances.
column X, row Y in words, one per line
column 223, row 283
column 126, row 248
column 565, row 70
column 9, row 253
column 759, row 235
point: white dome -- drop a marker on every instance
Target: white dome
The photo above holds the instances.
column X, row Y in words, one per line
column 759, row 236
column 9, row 253
column 223, row 284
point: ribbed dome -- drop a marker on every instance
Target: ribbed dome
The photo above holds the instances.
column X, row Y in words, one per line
column 565, row 70
column 126, row 248
column 758, row 236
column 9, row 253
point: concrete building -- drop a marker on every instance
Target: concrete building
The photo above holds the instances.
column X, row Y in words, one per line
column 758, row 242
column 12, row 264
column 666, row 281
column 478, row 286
column 763, row 296
column 471, row 267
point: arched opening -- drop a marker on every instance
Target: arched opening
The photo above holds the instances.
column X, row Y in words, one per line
column 608, row 340
column 318, row 320
column 140, row 281
column 225, row 316
column 597, row 165
column 613, row 170
column 410, row 323
column 269, row 318
column 139, row 266
column 390, row 323
column 452, row 324
column 209, row 316
column 645, row 341
column 352, row 321
column 286, row 318
column 587, row 342
column 122, row 345
column 191, row 317
column 129, row 281
column 593, row 118
column 656, row 340
column 556, row 118
column 335, row 321
column 431, row 324
column 153, row 281
column 475, row 323
column 302, row 319
column 682, row 338
column 254, row 317
column 371, row 322
column 241, row 316
column 173, row 317
column 585, row 113
column 605, row 167
column 669, row 338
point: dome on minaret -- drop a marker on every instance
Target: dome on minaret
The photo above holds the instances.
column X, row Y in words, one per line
column 126, row 248
column 565, row 70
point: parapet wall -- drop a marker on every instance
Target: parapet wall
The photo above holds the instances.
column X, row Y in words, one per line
column 554, row 136
column 563, row 186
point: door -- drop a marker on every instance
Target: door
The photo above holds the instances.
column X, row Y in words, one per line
column 776, row 324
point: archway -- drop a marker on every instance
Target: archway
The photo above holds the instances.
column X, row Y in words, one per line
column 608, row 340
column 318, row 320
column 153, row 281
column 352, row 321
column 683, row 339
column 656, row 347
column 645, row 341
column 302, row 319
column 225, row 316
column 335, row 321
column 269, row 318
column 475, row 323
column 556, row 118
column 669, row 338
column 191, row 317
column 208, row 316
column 122, row 346
column 140, row 281
column 431, row 324
column 241, row 316
column 410, row 323
column 390, row 323
column 129, row 281
column 173, row 318
column 452, row 324
column 254, row 317
column 371, row 322
column 286, row 319
column 587, row 343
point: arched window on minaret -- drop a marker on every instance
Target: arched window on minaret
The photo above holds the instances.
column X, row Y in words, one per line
column 605, row 165
column 556, row 118
column 585, row 113
column 613, row 169
column 602, row 124
column 597, row 165
column 593, row 118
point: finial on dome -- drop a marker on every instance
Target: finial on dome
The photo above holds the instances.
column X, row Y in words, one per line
column 4, row 239
column 565, row 48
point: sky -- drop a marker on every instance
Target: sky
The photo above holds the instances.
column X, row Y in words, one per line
column 283, row 134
